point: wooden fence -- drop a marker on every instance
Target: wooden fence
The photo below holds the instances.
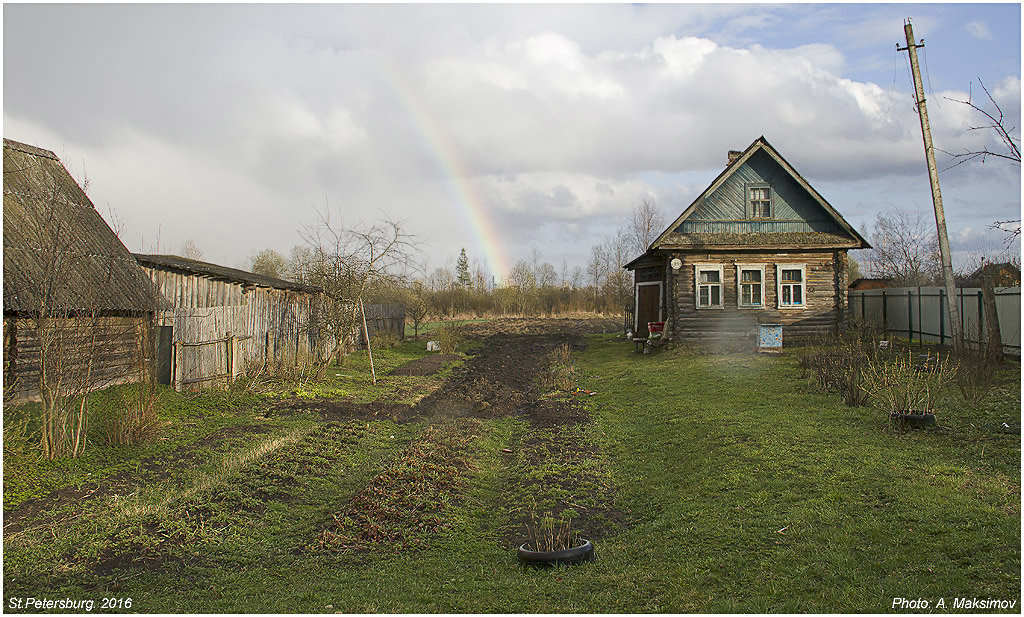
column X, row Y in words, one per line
column 213, row 346
column 384, row 319
column 921, row 312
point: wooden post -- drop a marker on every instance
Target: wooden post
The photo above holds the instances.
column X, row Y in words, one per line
column 910, row 316
column 942, row 318
column 178, row 377
column 366, row 333
column 933, row 177
column 981, row 322
column 994, row 351
column 921, row 319
column 885, row 311
column 229, row 356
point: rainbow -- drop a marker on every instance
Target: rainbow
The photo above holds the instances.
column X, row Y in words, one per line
column 438, row 143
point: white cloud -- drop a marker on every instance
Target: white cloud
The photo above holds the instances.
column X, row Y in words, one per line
column 979, row 30
column 560, row 117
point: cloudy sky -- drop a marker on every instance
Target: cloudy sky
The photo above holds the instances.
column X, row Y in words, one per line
column 498, row 128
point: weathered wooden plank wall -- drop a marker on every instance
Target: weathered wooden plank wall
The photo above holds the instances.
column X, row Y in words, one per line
column 272, row 326
column 384, row 319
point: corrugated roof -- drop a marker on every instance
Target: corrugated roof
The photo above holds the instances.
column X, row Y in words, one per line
column 57, row 246
column 202, row 268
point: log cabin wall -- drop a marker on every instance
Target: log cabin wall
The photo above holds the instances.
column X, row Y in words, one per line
column 824, row 296
column 112, row 343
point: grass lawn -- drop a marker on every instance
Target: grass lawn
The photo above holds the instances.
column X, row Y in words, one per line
column 730, row 486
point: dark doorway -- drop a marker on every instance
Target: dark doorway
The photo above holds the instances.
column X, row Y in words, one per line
column 164, row 347
column 647, row 306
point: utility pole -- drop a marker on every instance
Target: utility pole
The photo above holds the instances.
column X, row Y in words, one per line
column 933, row 176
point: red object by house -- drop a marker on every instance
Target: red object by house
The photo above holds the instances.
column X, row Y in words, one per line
column 655, row 326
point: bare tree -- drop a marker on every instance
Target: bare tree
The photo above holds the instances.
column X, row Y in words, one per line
column 994, row 121
column 190, row 250
column 647, row 222
column 345, row 262
column 522, row 280
column 416, row 307
column 905, row 248
column 81, row 345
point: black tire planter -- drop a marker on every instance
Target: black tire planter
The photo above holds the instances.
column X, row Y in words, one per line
column 914, row 420
column 569, row 556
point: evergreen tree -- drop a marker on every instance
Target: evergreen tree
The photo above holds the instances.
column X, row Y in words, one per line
column 462, row 271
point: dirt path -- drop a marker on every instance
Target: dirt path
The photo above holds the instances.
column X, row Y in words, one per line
column 499, row 379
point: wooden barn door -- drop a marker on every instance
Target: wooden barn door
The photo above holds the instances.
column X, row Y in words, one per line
column 648, row 306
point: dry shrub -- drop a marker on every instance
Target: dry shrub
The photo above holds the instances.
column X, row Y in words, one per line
column 561, row 373
column 974, row 376
column 449, row 335
column 838, row 363
column 549, row 534
column 900, row 386
column 384, row 340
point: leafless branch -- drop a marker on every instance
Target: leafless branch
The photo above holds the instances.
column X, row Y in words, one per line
column 996, row 121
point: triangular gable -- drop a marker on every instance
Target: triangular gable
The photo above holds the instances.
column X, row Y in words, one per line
column 761, row 145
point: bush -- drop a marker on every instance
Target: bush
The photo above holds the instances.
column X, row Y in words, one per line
column 128, row 416
column 974, row 376
column 840, row 371
column 384, row 340
column 449, row 335
column 838, row 363
column 900, row 386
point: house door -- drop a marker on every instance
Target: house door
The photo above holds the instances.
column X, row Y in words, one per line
column 648, row 306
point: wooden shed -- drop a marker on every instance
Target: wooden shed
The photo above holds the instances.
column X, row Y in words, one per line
column 758, row 246
column 869, row 283
column 75, row 300
column 224, row 319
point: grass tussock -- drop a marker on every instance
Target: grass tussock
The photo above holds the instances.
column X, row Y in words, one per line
column 561, row 370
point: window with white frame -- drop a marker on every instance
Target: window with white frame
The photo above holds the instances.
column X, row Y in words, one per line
column 792, row 285
column 709, row 285
column 750, row 285
column 760, row 199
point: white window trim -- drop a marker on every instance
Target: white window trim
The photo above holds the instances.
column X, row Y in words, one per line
column 750, row 202
column 739, row 285
column 697, row 269
column 636, row 304
column 803, row 284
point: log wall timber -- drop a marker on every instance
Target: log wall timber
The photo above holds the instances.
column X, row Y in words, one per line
column 824, row 296
column 113, row 344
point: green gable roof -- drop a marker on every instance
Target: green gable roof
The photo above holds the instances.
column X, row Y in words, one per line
column 800, row 217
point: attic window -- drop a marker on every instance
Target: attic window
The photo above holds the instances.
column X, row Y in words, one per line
column 760, row 201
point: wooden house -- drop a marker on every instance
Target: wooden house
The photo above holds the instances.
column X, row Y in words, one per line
column 221, row 320
column 869, row 283
column 75, row 300
column 758, row 246
column 1000, row 275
